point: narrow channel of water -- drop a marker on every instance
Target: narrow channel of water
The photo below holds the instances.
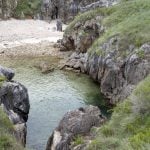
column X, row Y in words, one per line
column 51, row 96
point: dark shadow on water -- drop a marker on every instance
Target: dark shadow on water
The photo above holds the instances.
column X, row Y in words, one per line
column 97, row 99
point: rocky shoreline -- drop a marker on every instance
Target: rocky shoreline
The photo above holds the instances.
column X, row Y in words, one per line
column 116, row 66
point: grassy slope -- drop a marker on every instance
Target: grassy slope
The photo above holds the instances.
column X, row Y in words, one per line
column 7, row 139
column 129, row 126
column 130, row 21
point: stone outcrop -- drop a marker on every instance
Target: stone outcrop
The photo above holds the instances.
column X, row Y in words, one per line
column 7, row 8
column 15, row 102
column 68, row 9
column 96, row 4
column 118, row 69
column 82, row 35
column 73, row 123
column 116, row 74
column 65, row 10
column 45, row 67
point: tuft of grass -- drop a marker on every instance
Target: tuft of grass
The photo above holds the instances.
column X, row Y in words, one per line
column 4, row 121
column 107, row 131
column 78, row 140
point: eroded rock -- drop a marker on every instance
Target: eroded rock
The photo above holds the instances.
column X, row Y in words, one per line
column 6, row 72
column 117, row 74
column 15, row 101
column 75, row 122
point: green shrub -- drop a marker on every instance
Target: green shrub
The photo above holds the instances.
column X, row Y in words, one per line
column 107, row 131
column 29, row 8
column 78, row 140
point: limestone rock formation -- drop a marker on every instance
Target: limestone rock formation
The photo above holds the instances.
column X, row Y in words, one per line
column 8, row 73
column 117, row 76
column 116, row 63
column 82, row 35
column 7, row 8
column 68, row 9
column 75, row 122
column 15, row 101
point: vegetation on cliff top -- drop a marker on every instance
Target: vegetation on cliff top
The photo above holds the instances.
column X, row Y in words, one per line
column 129, row 126
column 129, row 21
column 7, row 139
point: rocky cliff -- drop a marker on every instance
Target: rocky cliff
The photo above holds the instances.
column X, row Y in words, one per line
column 68, row 9
column 74, row 123
column 112, row 46
column 7, row 8
column 15, row 103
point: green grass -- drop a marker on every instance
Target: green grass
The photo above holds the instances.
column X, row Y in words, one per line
column 29, row 8
column 7, row 139
column 129, row 21
column 78, row 140
column 129, row 126
column 2, row 79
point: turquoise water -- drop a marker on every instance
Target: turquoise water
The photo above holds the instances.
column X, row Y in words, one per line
column 51, row 96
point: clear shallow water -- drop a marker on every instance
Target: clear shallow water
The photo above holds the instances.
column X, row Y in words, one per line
column 51, row 96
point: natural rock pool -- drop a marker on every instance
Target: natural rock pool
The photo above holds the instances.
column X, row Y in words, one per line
column 51, row 96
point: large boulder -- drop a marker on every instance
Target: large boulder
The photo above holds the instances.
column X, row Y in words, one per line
column 7, row 73
column 15, row 102
column 76, row 122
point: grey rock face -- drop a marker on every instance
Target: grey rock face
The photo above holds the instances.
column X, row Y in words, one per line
column 117, row 75
column 7, row 8
column 68, row 9
column 59, row 25
column 82, row 36
column 73, row 123
column 15, row 101
column 14, row 96
column 6, row 72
